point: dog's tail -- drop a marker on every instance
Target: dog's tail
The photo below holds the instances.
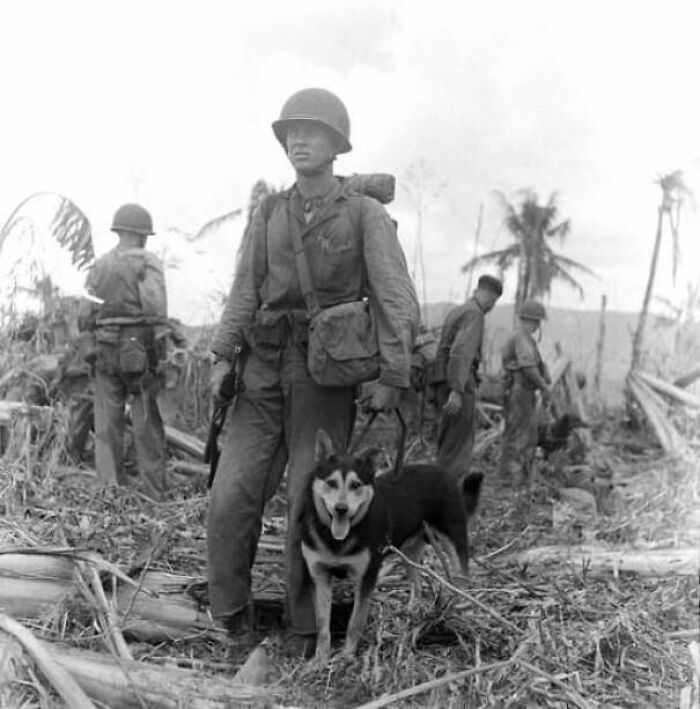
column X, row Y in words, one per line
column 471, row 489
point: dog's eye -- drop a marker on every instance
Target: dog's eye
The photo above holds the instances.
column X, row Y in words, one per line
column 354, row 486
column 332, row 484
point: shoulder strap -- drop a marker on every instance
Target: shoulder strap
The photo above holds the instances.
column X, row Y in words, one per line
column 303, row 271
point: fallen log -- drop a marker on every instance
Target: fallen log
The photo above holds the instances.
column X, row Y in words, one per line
column 588, row 559
column 191, row 470
column 185, row 442
column 172, row 614
column 653, row 407
column 688, row 378
column 129, row 684
column 31, row 584
column 12, row 409
column 160, row 609
column 673, row 392
column 60, row 680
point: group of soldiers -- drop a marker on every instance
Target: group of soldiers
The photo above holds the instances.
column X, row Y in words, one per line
column 352, row 253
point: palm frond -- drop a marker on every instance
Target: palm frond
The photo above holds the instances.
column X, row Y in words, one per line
column 215, row 223
column 570, row 263
column 502, row 258
column 69, row 227
column 561, row 274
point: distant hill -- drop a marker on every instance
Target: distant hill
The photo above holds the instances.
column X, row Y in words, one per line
column 576, row 331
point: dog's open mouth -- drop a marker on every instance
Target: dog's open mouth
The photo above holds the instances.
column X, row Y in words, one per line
column 340, row 526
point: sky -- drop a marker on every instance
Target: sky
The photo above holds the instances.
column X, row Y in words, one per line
column 170, row 104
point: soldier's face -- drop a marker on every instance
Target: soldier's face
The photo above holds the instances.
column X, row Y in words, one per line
column 310, row 147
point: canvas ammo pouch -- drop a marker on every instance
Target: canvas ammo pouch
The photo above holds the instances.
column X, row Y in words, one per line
column 343, row 349
column 133, row 356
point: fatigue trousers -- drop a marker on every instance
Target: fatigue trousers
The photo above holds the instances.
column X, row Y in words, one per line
column 111, row 392
column 455, row 435
column 272, row 424
column 520, row 434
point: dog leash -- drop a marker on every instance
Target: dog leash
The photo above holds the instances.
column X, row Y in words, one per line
column 400, row 445
column 368, row 424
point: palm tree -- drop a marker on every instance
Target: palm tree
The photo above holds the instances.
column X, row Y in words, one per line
column 533, row 227
column 674, row 196
column 69, row 226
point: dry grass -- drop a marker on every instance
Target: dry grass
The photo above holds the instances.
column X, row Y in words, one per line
column 567, row 639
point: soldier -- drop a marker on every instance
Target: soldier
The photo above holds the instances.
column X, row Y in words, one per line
column 129, row 320
column 524, row 374
column 352, row 250
column 456, row 376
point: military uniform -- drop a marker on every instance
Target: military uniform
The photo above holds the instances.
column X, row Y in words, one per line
column 127, row 327
column 352, row 250
column 458, row 356
column 520, row 434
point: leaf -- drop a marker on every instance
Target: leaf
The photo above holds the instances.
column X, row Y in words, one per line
column 69, row 227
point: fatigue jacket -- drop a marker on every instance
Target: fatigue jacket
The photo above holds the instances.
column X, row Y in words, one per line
column 460, row 345
column 132, row 284
column 520, row 351
column 352, row 250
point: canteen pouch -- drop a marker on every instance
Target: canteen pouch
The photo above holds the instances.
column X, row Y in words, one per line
column 343, row 348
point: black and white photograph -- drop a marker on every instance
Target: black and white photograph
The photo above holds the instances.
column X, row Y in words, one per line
column 349, row 354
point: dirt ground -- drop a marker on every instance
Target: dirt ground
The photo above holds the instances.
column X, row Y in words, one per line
column 544, row 635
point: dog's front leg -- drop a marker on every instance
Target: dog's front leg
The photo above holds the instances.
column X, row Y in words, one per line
column 323, row 597
column 360, row 611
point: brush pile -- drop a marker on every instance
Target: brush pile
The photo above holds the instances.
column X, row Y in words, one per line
column 583, row 589
column 103, row 601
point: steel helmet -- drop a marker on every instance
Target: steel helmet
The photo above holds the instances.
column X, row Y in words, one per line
column 134, row 218
column 532, row 310
column 320, row 106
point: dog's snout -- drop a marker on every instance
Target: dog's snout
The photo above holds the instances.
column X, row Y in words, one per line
column 341, row 509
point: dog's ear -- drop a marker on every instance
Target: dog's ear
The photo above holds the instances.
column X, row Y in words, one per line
column 324, row 447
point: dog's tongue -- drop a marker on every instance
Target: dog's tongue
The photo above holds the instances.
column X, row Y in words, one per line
column 340, row 528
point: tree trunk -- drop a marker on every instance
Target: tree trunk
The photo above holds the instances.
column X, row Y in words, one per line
column 641, row 323
column 599, row 348
column 477, row 234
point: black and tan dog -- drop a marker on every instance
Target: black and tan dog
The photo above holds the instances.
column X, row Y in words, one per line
column 351, row 514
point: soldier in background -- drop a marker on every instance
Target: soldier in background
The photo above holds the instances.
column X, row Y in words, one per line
column 455, row 375
column 129, row 320
column 524, row 374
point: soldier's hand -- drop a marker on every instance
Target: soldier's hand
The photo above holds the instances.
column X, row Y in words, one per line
column 381, row 398
column 418, row 378
column 453, row 404
column 218, row 372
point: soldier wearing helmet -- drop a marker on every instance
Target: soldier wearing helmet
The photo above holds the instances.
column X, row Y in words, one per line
column 128, row 314
column 352, row 251
column 455, row 375
column 525, row 373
